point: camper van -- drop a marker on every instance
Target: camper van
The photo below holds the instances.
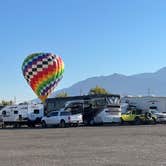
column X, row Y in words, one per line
column 22, row 114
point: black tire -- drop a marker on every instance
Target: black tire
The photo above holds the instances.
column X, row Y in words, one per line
column 44, row 125
column 148, row 115
column 62, row 124
column 137, row 121
column 15, row 125
column 33, row 125
column 76, row 124
column 4, row 125
column 92, row 122
column 121, row 121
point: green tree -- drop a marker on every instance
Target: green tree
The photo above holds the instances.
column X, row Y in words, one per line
column 5, row 103
column 62, row 94
column 97, row 90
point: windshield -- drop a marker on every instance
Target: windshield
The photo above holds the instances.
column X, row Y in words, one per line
column 114, row 100
column 154, row 111
column 128, row 112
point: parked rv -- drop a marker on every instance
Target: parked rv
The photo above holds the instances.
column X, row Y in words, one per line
column 146, row 102
column 22, row 114
column 97, row 110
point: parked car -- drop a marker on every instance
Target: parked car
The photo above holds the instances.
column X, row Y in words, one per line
column 138, row 116
column 161, row 116
column 107, row 115
column 61, row 119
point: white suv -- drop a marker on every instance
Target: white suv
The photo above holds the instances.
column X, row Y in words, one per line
column 61, row 119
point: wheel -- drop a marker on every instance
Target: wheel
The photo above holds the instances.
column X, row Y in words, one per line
column 148, row 115
column 62, row 124
column 3, row 125
column 137, row 121
column 75, row 125
column 32, row 125
column 44, row 125
column 15, row 125
column 92, row 122
column 121, row 121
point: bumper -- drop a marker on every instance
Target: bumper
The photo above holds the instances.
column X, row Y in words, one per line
column 161, row 119
column 76, row 122
column 112, row 120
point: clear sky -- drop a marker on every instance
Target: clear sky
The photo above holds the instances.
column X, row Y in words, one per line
column 94, row 37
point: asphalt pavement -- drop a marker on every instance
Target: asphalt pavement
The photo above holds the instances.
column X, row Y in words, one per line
column 143, row 145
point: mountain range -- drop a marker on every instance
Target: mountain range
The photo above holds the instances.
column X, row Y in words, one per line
column 139, row 84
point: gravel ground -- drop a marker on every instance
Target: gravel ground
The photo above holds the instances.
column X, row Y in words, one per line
column 89, row 146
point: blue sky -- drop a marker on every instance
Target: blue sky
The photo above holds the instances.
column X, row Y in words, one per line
column 94, row 37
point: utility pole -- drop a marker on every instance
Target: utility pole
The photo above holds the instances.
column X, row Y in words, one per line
column 14, row 99
column 148, row 91
column 80, row 92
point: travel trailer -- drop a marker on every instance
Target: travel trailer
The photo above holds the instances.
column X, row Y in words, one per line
column 146, row 102
column 22, row 114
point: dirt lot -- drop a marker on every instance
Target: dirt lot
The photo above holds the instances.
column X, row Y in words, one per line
column 90, row 146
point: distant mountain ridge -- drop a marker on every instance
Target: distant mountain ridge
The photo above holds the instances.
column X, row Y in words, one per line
column 138, row 84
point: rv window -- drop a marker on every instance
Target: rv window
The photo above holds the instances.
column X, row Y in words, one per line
column 52, row 114
column 99, row 102
column 114, row 100
column 133, row 112
column 87, row 104
column 15, row 112
column 36, row 111
column 153, row 107
column 138, row 111
column 128, row 112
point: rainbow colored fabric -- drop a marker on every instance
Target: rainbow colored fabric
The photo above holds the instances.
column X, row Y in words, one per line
column 43, row 71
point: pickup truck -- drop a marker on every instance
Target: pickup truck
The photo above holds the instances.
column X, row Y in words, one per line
column 138, row 116
column 61, row 119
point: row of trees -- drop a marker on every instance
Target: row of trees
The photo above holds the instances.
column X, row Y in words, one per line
column 4, row 102
column 92, row 91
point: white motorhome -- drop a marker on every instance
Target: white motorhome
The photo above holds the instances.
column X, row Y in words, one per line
column 146, row 102
column 22, row 114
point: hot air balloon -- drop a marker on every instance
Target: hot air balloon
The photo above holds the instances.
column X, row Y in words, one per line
column 43, row 71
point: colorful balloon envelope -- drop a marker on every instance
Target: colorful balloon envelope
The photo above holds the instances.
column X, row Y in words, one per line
column 43, row 71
